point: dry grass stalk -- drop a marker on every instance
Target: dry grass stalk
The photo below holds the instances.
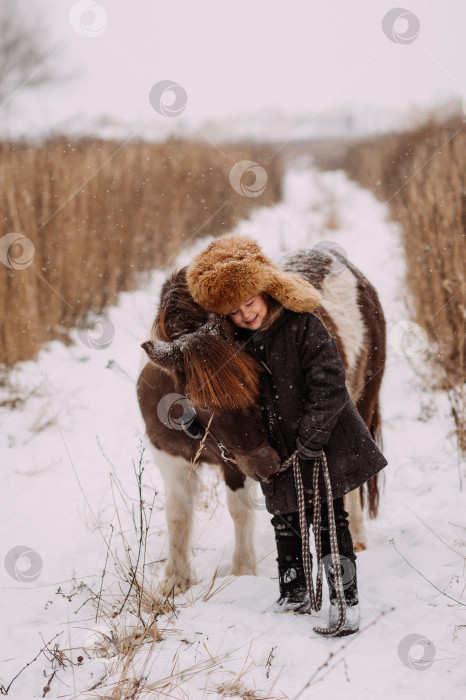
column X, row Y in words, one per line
column 421, row 174
column 202, row 443
column 99, row 213
column 332, row 220
column 211, row 591
column 236, row 688
column 151, row 602
column 129, row 684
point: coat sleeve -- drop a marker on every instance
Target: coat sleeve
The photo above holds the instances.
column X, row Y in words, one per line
column 324, row 382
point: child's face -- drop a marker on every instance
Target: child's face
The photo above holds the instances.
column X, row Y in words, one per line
column 251, row 314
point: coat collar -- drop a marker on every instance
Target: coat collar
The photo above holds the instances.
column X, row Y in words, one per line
column 258, row 335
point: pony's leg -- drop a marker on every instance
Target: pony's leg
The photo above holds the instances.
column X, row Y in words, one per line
column 356, row 520
column 180, row 489
column 241, row 506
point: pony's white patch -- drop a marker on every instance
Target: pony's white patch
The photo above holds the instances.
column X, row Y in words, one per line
column 181, row 486
column 240, row 504
column 178, row 475
column 340, row 301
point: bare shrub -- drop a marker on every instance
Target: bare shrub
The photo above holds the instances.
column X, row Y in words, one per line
column 24, row 49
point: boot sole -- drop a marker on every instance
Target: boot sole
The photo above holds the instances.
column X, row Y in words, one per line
column 345, row 633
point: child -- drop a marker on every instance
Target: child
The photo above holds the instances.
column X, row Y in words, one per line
column 305, row 404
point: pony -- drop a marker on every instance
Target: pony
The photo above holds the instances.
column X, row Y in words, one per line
column 197, row 369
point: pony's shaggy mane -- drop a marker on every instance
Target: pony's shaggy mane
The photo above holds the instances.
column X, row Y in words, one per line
column 221, row 376
column 219, row 373
column 177, row 314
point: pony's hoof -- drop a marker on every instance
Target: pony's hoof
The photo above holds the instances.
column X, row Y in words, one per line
column 358, row 546
column 243, row 570
column 174, row 585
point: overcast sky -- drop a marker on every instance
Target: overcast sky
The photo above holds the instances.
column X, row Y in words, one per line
column 239, row 57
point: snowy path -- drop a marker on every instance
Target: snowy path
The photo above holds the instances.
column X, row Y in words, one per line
column 81, row 424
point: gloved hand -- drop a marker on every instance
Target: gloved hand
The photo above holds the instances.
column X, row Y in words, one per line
column 310, row 450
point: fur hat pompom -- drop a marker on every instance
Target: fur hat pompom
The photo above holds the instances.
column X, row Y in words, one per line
column 232, row 269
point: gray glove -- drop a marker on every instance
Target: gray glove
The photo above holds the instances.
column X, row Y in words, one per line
column 310, row 450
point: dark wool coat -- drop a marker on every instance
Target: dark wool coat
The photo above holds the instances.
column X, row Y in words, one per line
column 303, row 392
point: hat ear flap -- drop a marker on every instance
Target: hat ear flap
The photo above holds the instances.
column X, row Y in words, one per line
column 293, row 292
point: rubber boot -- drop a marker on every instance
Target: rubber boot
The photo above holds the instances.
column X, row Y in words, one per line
column 350, row 589
column 348, row 567
column 294, row 595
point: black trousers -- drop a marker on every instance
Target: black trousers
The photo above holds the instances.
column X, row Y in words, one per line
column 288, row 534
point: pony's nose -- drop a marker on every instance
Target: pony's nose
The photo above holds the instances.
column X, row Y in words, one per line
column 263, row 465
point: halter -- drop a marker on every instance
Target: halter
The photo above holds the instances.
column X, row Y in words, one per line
column 208, row 433
column 223, row 450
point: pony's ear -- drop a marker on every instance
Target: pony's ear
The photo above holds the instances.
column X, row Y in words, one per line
column 167, row 355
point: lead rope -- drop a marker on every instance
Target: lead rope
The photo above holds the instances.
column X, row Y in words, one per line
column 316, row 597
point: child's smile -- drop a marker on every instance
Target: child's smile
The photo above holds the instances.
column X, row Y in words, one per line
column 251, row 314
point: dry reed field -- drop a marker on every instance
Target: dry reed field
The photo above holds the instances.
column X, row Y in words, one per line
column 90, row 215
column 421, row 174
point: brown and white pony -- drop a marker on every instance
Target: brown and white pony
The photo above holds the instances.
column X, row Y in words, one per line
column 197, row 366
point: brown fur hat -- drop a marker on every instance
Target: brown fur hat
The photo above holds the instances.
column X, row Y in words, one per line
column 232, row 269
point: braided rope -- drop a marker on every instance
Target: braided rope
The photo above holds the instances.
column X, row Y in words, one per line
column 316, row 597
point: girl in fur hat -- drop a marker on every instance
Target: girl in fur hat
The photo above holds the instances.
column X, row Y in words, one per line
column 305, row 403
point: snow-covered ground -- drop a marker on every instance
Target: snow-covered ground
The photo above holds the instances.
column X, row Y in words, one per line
column 69, row 488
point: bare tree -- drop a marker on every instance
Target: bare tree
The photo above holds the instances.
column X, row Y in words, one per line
column 25, row 48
